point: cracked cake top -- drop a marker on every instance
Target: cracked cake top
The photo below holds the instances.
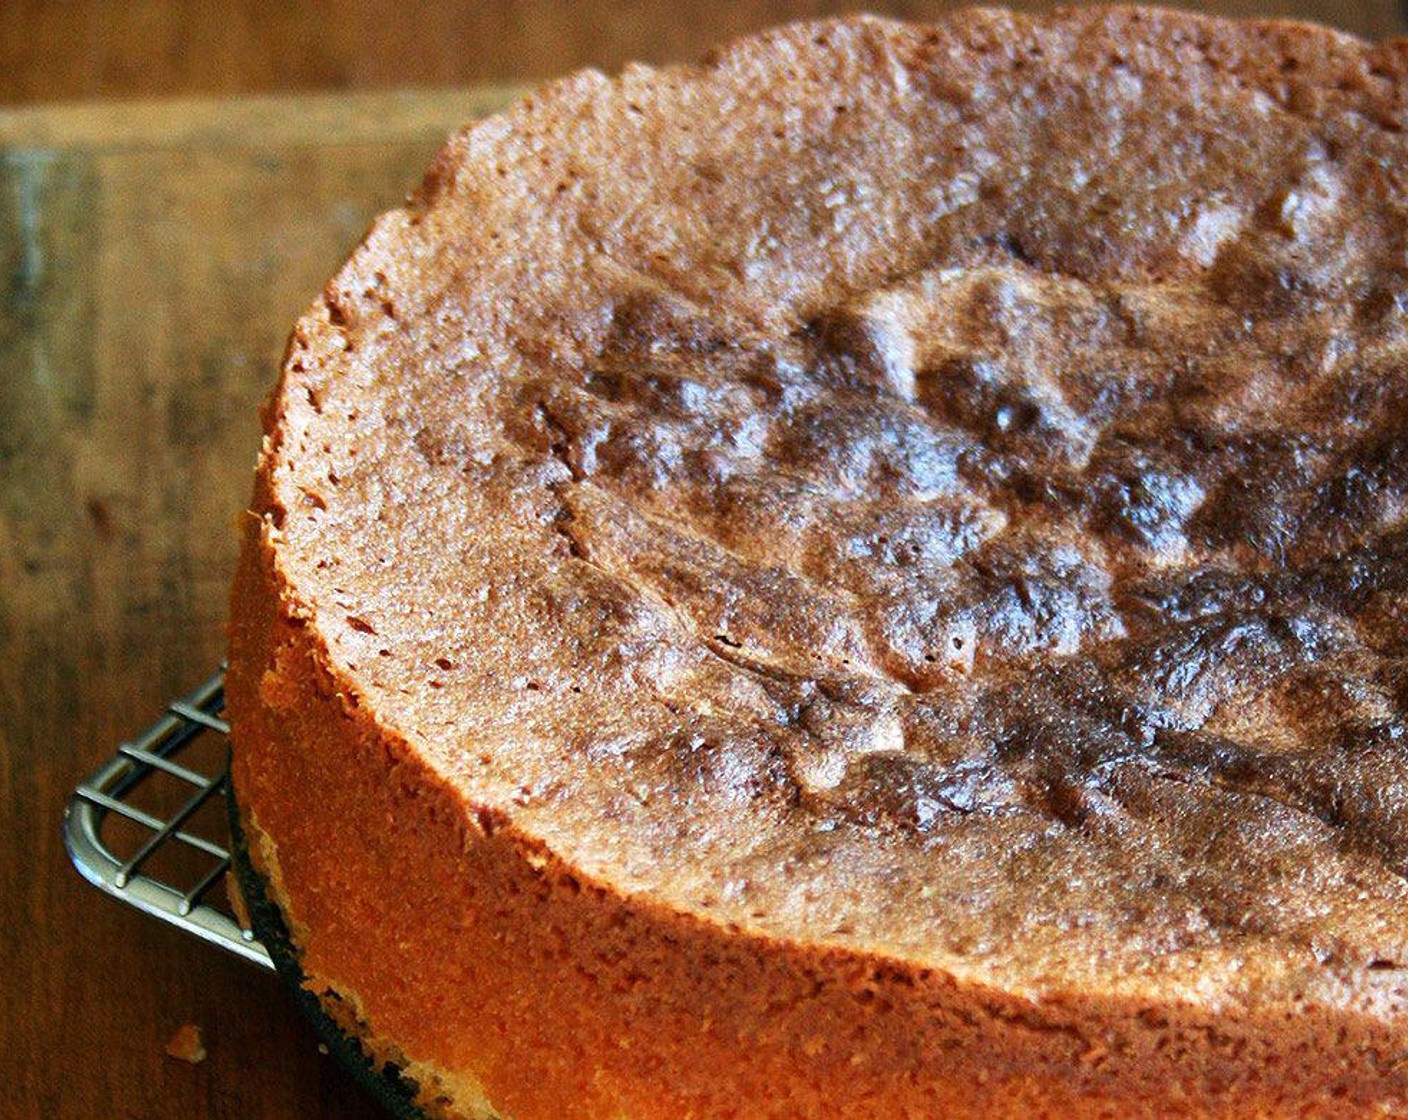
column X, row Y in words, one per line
column 937, row 490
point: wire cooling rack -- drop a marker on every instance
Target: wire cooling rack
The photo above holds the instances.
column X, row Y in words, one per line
column 150, row 825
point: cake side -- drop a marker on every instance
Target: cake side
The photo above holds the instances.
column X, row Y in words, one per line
column 513, row 986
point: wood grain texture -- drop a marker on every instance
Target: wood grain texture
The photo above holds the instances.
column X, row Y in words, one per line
column 153, row 261
column 153, row 257
column 143, row 48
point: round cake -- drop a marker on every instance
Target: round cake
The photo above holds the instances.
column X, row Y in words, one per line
column 863, row 578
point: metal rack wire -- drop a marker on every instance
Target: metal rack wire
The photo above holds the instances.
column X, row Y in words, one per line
column 114, row 793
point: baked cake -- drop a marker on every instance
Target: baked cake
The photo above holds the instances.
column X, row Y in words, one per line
column 864, row 578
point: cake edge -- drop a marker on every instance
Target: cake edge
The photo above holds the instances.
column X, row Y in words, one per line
column 634, row 1012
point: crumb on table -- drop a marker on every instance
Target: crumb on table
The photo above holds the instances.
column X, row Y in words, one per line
column 186, row 1044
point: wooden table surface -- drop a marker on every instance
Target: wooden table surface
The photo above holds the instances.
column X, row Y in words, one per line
column 154, row 255
column 157, row 48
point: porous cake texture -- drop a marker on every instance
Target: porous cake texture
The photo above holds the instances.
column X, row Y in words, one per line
column 863, row 578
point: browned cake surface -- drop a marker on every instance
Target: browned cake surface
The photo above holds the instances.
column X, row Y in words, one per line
column 933, row 493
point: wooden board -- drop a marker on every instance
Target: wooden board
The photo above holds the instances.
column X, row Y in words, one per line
column 153, row 259
column 97, row 48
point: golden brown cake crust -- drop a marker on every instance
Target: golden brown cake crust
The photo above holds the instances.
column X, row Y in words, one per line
column 880, row 558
